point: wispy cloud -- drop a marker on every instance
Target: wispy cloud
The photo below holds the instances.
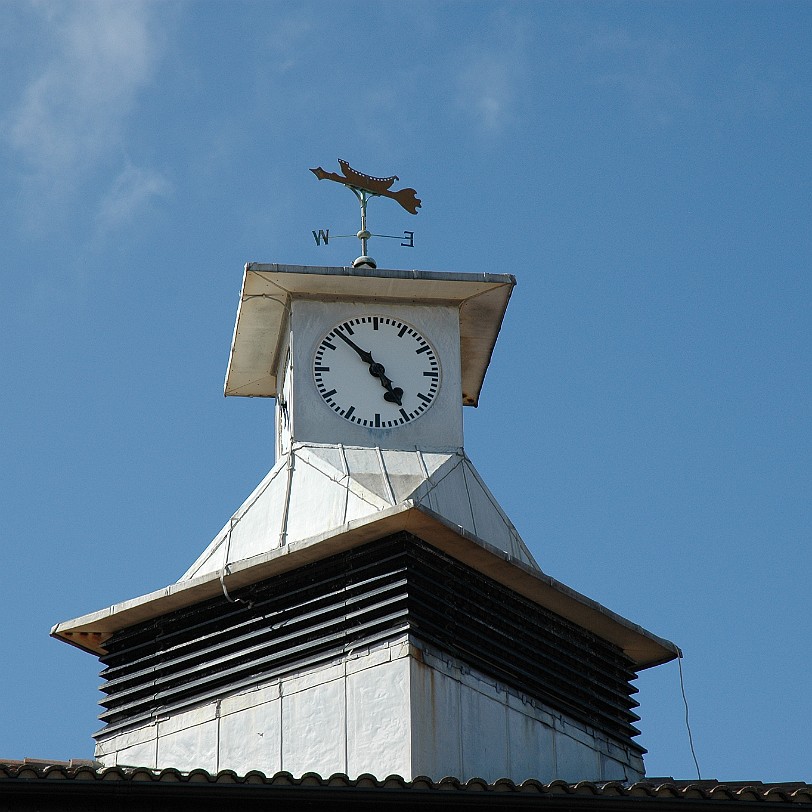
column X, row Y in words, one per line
column 131, row 191
column 486, row 91
column 69, row 119
column 490, row 75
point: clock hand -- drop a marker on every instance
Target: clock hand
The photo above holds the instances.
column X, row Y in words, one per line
column 393, row 394
column 365, row 356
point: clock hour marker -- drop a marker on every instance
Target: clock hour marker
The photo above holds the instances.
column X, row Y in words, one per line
column 327, row 369
column 349, row 412
column 328, row 345
column 329, row 394
column 377, row 420
column 424, row 348
column 431, row 374
column 402, row 331
column 348, row 329
column 374, row 322
column 405, row 416
column 424, row 398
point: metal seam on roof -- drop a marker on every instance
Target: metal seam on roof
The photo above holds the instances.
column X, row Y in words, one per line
column 483, row 516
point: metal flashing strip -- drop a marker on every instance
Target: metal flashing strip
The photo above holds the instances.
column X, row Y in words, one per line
column 373, row 593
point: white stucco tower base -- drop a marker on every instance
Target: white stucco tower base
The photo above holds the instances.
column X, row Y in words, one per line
column 397, row 709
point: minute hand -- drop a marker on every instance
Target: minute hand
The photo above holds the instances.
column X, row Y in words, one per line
column 365, row 356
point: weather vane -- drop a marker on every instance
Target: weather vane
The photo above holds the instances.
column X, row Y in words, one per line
column 365, row 187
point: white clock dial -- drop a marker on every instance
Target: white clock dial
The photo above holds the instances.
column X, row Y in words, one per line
column 376, row 371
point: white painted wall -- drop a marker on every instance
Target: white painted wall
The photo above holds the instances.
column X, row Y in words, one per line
column 468, row 726
column 396, row 709
column 314, row 421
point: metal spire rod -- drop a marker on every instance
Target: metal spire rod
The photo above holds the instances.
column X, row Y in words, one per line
column 363, row 235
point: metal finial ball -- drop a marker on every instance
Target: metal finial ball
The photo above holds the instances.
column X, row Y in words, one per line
column 364, row 262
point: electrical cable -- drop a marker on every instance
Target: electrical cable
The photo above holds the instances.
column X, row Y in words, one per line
column 224, row 570
column 687, row 723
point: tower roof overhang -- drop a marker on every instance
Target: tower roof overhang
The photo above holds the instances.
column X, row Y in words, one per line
column 268, row 289
column 644, row 649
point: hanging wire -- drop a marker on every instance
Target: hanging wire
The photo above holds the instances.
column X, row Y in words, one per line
column 687, row 723
column 249, row 603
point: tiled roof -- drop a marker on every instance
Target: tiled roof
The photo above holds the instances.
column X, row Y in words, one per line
column 657, row 790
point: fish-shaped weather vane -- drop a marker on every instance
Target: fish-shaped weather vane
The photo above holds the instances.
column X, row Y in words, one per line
column 365, row 187
column 367, row 183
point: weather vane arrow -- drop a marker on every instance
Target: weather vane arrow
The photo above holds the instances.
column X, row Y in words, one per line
column 364, row 187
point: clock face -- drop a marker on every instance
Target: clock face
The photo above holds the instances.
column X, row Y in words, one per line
column 376, row 371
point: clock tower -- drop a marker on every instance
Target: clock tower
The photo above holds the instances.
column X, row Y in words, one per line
column 369, row 608
column 338, row 348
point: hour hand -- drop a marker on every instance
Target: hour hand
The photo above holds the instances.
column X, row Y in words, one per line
column 393, row 394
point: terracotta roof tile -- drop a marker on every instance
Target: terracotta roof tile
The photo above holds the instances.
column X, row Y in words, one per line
column 655, row 788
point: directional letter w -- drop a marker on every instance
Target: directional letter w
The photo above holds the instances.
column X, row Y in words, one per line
column 322, row 235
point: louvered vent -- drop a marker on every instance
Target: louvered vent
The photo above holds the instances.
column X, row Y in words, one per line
column 367, row 595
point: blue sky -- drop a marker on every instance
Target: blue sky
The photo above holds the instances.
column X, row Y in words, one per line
column 642, row 168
